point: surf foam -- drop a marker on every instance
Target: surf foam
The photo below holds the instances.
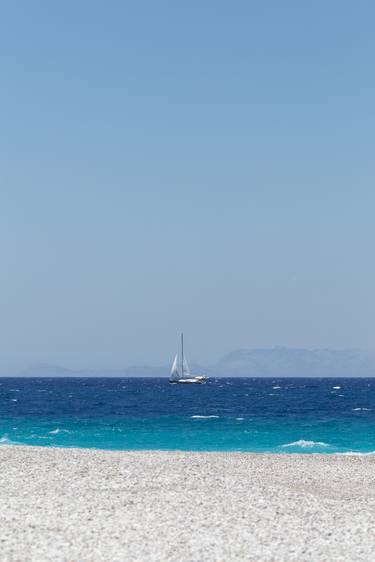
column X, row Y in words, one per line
column 306, row 444
column 361, row 409
column 204, row 417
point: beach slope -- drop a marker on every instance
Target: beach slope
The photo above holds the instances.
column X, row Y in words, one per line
column 88, row 505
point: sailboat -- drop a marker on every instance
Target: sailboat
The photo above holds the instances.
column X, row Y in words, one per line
column 184, row 376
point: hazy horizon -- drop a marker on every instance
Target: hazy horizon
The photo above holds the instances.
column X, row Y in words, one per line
column 205, row 167
column 277, row 361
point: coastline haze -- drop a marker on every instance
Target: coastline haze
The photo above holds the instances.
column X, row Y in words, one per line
column 272, row 362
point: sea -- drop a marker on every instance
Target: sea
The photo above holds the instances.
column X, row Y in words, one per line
column 286, row 415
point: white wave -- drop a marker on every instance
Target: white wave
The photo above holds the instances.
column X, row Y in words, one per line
column 336, row 387
column 276, row 387
column 4, row 440
column 204, row 417
column 306, row 444
column 13, row 400
column 355, row 454
column 240, row 419
column 361, row 409
column 58, row 430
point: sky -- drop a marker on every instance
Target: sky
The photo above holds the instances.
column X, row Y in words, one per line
column 204, row 166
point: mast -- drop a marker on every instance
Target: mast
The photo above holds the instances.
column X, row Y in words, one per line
column 182, row 354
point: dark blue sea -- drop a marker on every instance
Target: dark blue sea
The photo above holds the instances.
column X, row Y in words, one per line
column 243, row 414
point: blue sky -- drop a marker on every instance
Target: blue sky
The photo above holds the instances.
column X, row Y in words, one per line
column 203, row 165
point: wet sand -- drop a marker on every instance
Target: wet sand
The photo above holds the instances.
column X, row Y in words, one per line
column 86, row 505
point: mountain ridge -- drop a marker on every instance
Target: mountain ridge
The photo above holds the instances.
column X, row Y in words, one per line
column 253, row 362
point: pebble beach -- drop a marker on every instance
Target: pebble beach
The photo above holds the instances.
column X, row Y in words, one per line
column 90, row 505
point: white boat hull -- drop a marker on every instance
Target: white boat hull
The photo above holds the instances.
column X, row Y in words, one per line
column 195, row 380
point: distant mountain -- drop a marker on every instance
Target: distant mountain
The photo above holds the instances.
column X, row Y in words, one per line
column 136, row 371
column 268, row 362
column 47, row 370
column 284, row 361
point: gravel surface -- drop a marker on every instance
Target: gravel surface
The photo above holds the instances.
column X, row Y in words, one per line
column 85, row 505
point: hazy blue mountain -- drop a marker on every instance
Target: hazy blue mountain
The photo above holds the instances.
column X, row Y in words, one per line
column 269, row 362
column 284, row 361
column 46, row 370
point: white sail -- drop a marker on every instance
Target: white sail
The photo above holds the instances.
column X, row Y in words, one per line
column 174, row 371
column 185, row 368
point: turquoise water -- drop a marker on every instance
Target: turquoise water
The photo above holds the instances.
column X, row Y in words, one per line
column 260, row 415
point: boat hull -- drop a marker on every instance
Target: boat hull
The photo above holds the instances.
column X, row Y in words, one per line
column 197, row 380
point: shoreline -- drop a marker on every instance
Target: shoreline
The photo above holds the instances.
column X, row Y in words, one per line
column 95, row 505
column 9, row 443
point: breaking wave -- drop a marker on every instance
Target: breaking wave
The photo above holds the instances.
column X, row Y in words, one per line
column 58, row 430
column 203, row 417
column 356, row 454
column 306, row 444
column 4, row 440
column 361, row 410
